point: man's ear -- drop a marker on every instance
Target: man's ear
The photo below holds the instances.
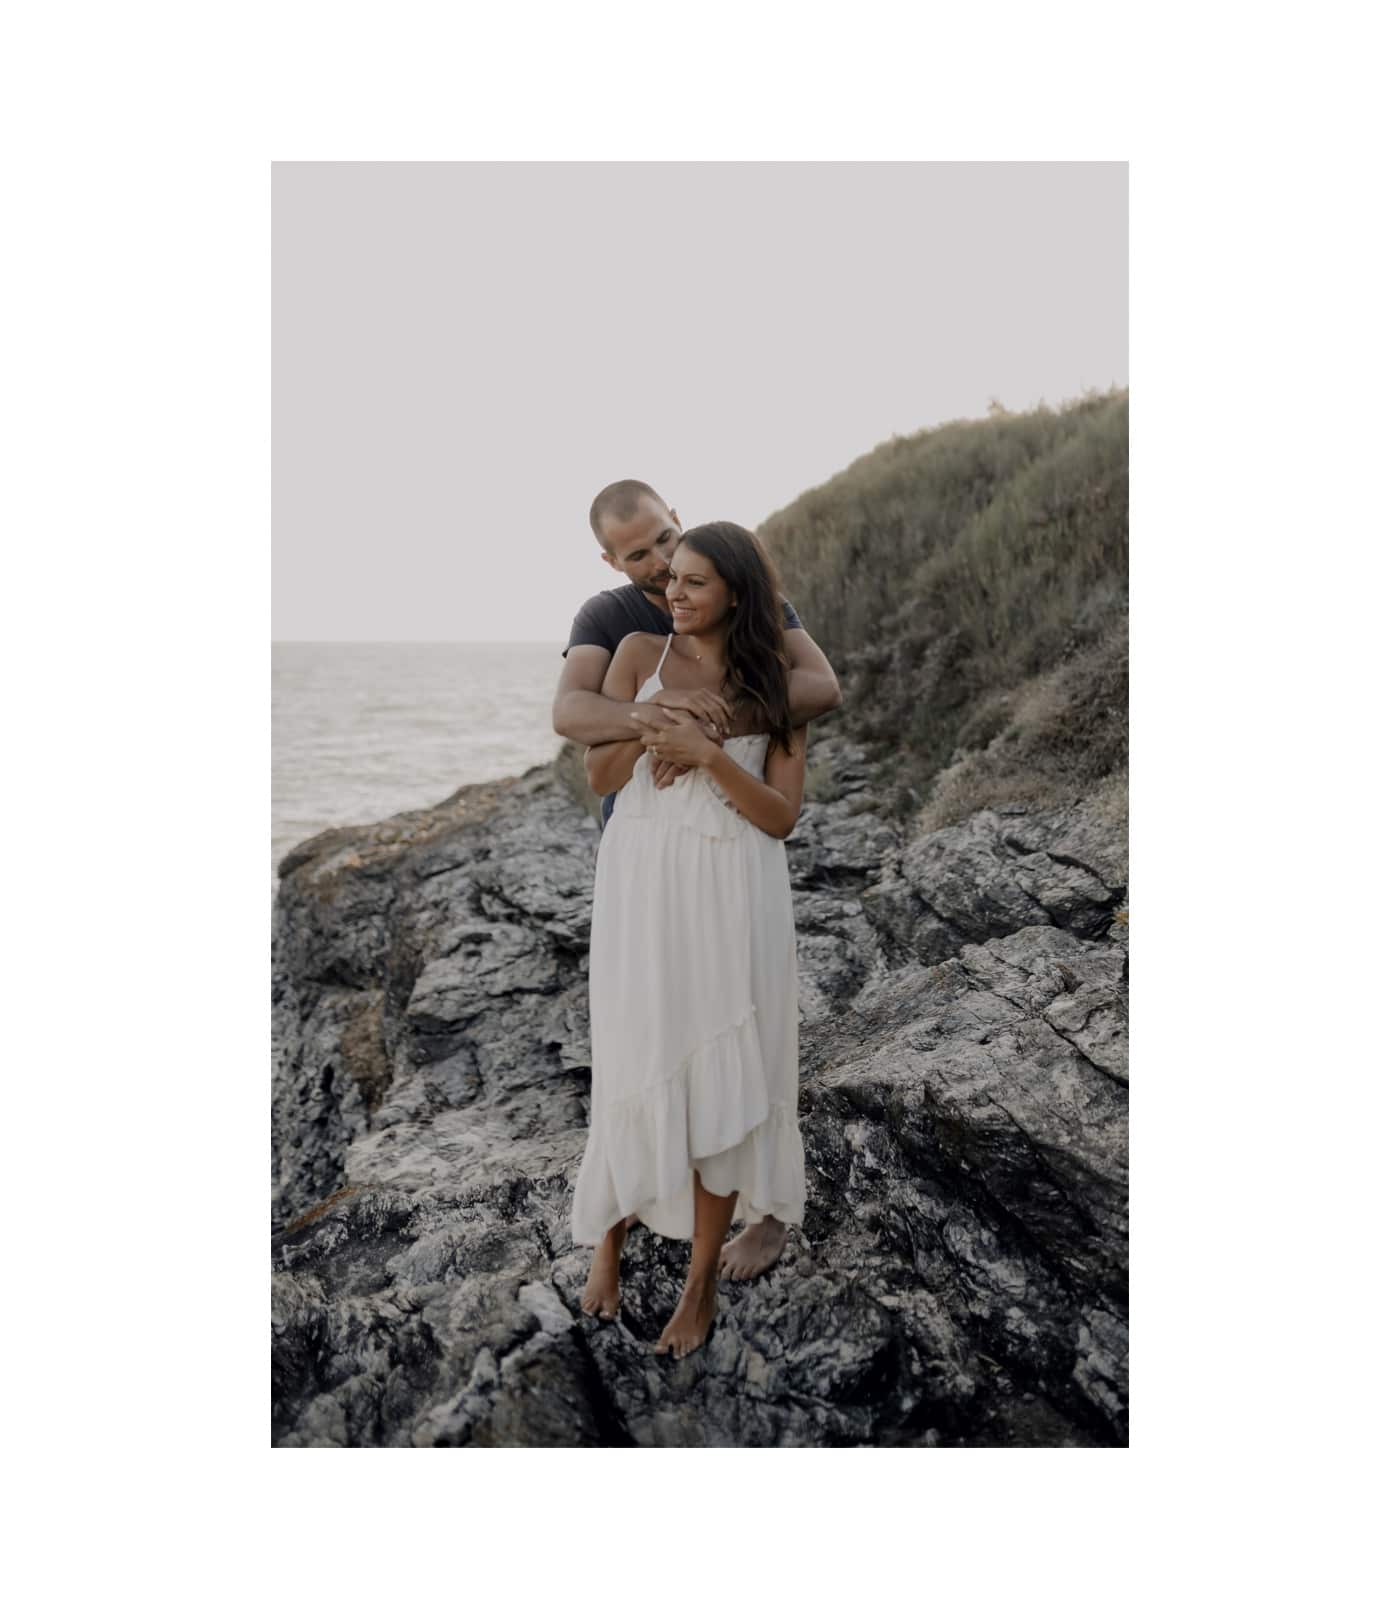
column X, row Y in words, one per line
column 676, row 517
column 607, row 558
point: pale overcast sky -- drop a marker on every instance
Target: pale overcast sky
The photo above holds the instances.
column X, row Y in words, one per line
column 464, row 353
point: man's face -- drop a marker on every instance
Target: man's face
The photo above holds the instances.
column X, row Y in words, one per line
column 641, row 547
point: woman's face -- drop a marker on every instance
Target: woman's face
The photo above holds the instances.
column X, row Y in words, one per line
column 699, row 598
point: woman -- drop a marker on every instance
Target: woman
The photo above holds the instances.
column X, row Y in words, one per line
column 693, row 962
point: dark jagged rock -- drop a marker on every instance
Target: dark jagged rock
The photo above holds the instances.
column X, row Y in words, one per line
column 997, row 873
column 961, row 1274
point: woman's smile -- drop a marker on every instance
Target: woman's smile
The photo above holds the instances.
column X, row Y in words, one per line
column 693, row 576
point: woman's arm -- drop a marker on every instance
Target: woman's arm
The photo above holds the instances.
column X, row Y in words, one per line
column 772, row 803
column 610, row 765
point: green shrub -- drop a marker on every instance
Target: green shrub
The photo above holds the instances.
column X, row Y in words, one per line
column 955, row 576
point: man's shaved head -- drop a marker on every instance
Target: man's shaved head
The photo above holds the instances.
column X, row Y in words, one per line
column 618, row 503
column 636, row 532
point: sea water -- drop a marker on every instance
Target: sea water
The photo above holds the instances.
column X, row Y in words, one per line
column 361, row 731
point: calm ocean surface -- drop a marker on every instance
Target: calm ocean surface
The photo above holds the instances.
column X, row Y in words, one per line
column 363, row 730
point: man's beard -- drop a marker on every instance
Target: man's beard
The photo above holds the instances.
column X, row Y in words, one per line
column 657, row 589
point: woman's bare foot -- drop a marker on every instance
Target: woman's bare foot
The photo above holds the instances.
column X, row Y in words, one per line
column 602, row 1295
column 690, row 1323
column 754, row 1251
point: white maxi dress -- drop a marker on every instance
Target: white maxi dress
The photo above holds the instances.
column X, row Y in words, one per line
column 693, row 1002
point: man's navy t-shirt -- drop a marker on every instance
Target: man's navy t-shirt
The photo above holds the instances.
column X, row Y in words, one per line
column 610, row 616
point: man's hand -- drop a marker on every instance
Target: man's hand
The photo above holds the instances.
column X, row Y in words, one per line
column 676, row 738
column 699, row 703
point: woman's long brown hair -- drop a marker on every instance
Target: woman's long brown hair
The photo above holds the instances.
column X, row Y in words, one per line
column 757, row 665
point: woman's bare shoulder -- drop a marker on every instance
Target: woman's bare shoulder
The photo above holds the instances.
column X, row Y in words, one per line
column 641, row 648
column 633, row 660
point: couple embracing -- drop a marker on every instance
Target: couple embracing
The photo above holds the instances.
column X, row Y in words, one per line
column 692, row 687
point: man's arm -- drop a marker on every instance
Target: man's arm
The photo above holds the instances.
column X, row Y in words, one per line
column 581, row 712
column 812, row 686
column 609, row 766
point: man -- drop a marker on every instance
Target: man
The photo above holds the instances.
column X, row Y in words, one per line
column 637, row 533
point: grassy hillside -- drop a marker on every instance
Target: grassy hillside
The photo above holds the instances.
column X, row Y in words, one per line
column 970, row 585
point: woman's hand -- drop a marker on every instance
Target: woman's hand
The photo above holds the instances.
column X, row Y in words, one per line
column 664, row 774
column 675, row 738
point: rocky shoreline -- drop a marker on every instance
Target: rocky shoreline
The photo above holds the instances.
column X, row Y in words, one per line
column 961, row 1276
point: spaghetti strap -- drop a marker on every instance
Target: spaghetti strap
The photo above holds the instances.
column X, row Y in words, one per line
column 652, row 685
